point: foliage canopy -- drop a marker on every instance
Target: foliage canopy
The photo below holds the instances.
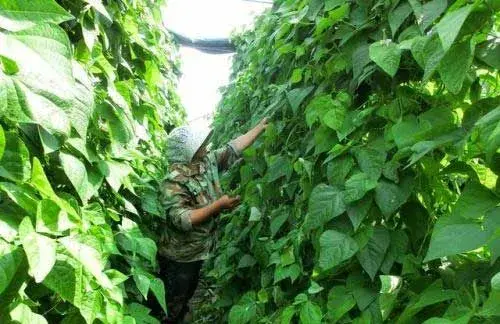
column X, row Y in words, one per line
column 86, row 94
column 376, row 184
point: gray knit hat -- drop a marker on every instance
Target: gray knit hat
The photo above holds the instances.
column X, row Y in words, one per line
column 183, row 142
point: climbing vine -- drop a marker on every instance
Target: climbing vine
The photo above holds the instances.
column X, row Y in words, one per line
column 87, row 92
column 373, row 196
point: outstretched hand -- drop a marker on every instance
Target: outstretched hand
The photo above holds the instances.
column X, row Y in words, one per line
column 263, row 123
column 229, row 203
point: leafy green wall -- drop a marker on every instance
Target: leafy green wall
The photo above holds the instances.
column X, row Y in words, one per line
column 87, row 91
column 373, row 195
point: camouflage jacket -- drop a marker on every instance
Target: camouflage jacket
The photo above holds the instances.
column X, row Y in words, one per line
column 186, row 187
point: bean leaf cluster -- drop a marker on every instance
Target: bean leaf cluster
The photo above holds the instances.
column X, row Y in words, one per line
column 87, row 91
column 373, row 195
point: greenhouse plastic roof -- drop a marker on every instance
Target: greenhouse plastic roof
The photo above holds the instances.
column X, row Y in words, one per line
column 210, row 20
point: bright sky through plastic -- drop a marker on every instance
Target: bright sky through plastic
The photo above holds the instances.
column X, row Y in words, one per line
column 203, row 74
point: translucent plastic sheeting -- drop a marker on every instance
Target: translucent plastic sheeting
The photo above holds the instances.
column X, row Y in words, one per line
column 204, row 73
column 210, row 20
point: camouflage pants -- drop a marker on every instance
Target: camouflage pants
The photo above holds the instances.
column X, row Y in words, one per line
column 181, row 280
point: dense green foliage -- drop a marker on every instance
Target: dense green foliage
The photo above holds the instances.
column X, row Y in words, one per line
column 373, row 195
column 86, row 94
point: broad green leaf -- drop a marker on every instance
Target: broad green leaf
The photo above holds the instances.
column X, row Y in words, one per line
column 455, row 64
column 314, row 288
column 51, row 219
column 396, row 251
column 296, row 75
column 22, row 314
column 397, row 16
column 427, row 13
column 491, row 306
column 389, row 196
column 310, row 313
column 41, row 183
column 99, row 7
column 50, row 143
column 362, row 58
column 332, row 4
column 39, row 180
column 287, row 256
column 390, row 286
column 40, row 250
column 489, row 53
column 158, row 289
column 428, row 52
column 23, row 195
column 247, row 261
column 324, row 139
column 283, row 272
column 335, row 247
column 338, row 169
column 466, row 235
column 89, row 257
column 65, row 281
column 340, row 301
column 357, row 186
column 300, row 299
column 131, row 239
column 296, row 97
column 431, row 11
column 334, row 16
column 86, row 183
column 386, row 55
column 372, row 254
column 115, row 172
column 318, row 107
column 14, row 164
column 10, row 217
column 140, row 314
column 474, row 202
column 83, row 148
column 242, row 313
column 449, row 26
column 143, row 282
column 433, row 294
column 326, row 202
column 10, row 258
column 2, row 142
column 48, row 95
column 20, row 14
column 255, row 215
column 334, row 118
column 358, row 210
column 357, row 285
column 119, row 124
column 495, row 281
column 277, row 222
column 287, row 315
column 371, row 161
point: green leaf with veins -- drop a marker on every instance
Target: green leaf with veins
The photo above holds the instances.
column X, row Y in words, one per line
column 325, row 203
column 449, row 26
column 40, row 250
column 19, row 14
column 335, row 248
column 386, row 55
column 48, row 95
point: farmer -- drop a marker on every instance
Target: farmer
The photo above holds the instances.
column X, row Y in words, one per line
column 192, row 197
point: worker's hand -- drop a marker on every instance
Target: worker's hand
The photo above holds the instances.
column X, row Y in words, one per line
column 263, row 123
column 228, row 203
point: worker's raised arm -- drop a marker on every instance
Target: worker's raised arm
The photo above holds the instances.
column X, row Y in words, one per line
column 242, row 142
column 230, row 153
